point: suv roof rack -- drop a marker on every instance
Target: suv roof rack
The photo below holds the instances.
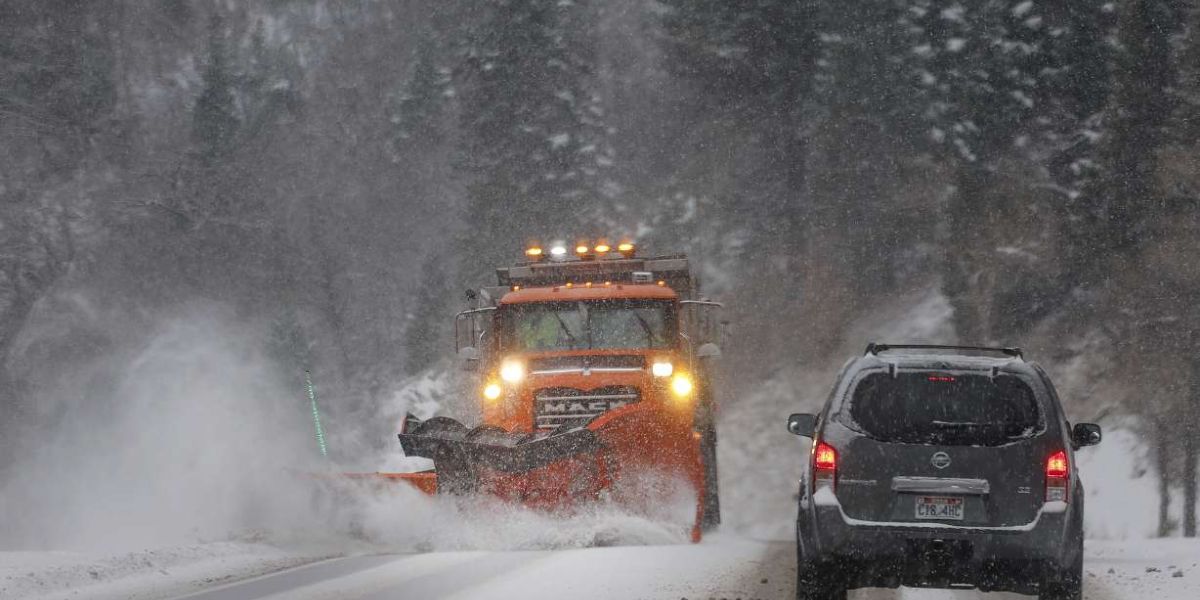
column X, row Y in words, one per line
column 1014, row 352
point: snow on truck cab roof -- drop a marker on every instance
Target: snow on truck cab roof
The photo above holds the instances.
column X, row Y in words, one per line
column 597, row 291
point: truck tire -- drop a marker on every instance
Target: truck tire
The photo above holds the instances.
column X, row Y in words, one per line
column 712, row 491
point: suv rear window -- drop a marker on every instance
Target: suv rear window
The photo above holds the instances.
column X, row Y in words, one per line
column 942, row 409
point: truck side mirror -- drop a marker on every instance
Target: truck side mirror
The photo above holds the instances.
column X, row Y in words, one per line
column 470, row 357
column 803, row 425
column 1086, row 434
column 708, row 350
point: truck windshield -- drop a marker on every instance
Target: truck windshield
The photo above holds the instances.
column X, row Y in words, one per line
column 603, row 324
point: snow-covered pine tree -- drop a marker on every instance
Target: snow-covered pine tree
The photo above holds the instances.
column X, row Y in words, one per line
column 1152, row 317
column 421, row 145
column 418, row 107
column 1145, row 76
column 534, row 141
column 752, row 66
column 1076, row 88
column 427, row 323
column 863, row 121
column 58, row 118
column 980, row 66
column 753, row 63
column 214, row 118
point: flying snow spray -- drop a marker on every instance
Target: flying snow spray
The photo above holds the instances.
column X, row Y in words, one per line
column 316, row 413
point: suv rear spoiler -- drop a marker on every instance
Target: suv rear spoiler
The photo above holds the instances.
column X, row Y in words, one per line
column 1014, row 352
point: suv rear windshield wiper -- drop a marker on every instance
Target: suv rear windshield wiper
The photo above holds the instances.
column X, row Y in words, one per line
column 1008, row 428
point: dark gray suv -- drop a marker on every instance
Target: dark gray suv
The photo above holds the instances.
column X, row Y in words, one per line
column 941, row 466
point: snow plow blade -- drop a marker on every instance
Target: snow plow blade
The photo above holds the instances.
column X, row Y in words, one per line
column 425, row 481
column 454, row 447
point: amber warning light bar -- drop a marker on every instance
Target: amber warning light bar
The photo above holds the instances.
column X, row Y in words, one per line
column 583, row 251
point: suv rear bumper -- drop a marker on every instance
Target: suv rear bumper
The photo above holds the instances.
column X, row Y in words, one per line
column 1019, row 554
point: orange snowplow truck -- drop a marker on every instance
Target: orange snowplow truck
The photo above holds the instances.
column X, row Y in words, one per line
column 593, row 369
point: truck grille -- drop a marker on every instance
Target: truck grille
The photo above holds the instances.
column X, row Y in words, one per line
column 560, row 406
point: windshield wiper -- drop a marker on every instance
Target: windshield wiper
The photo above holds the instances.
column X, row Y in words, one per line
column 566, row 330
column 650, row 336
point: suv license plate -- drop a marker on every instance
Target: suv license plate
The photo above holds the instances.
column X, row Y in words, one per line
column 940, row 507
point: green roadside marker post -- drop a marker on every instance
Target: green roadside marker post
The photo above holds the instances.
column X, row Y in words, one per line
column 316, row 414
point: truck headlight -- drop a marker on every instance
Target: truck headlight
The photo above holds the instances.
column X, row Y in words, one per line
column 662, row 368
column 681, row 385
column 512, row 371
column 492, row 391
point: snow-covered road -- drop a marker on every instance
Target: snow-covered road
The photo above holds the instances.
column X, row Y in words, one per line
column 722, row 567
column 725, row 567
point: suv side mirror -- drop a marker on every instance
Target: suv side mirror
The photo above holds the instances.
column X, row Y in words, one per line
column 708, row 350
column 1086, row 434
column 470, row 358
column 803, row 425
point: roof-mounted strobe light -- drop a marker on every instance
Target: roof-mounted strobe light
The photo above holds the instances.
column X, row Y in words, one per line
column 583, row 250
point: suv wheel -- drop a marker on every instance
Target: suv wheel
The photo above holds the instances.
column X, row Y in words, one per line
column 1067, row 586
column 712, row 493
column 819, row 581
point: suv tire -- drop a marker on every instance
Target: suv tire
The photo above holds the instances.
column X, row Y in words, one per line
column 712, row 493
column 1068, row 585
column 819, row 581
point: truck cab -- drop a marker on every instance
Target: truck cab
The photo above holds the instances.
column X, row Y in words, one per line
column 604, row 341
column 560, row 343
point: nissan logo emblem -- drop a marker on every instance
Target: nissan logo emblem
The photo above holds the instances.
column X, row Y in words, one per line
column 940, row 460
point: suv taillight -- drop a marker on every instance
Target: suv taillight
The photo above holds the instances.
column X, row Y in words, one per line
column 824, row 466
column 1058, row 475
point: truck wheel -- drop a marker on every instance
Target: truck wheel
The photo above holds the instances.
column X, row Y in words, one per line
column 712, row 492
column 819, row 581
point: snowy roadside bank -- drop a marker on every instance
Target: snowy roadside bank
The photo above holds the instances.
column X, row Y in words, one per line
column 1167, row 569
column 157, row 573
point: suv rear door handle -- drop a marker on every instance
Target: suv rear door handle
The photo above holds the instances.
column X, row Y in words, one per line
column 941, row 485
